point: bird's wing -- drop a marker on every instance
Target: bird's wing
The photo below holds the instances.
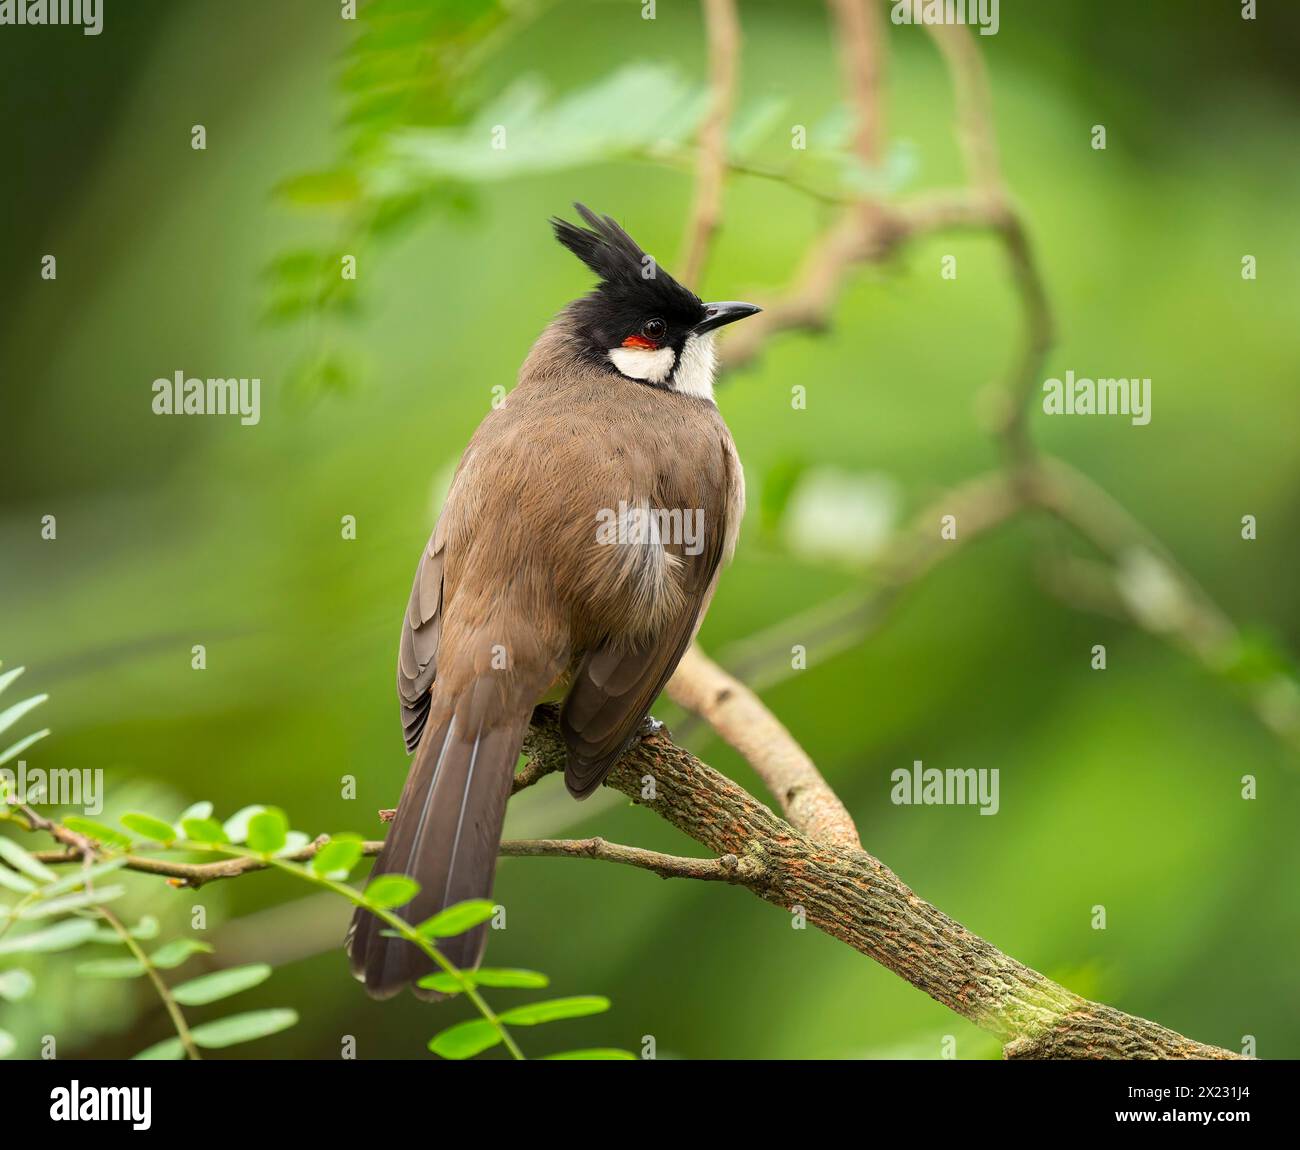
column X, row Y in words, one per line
column 615, row 685
column 417, row 652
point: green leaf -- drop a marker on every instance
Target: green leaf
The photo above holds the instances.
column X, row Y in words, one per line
column 390, row 890
column 202, row 830
column 155, row 830
column 146, row 928
column 222, row 984
column 338, row 856
column 457, row 919
column 20, row 860
column 1258, row 657
column 465, row 1039
column 75, row 878
column 637, row 109
column 15, row 985
column 111, row 968
column 294, row 842
column 510, row 977
column 236, row 827
column 104, row 835
column 18, row 710
column 594, row 1054
column 320, row 189
column 173, row 953
column 301, row 266
column 268, row 831
column 322, row 373
column 70, row 902
column 15, row 882
column 199, row 810
column 243, row 1028
column 7, row 1044
column 21, row 708
column 555, row 1009
column 168, row 1048
column 752, row 124
column 779, row 483
column 19, row 747
column 61, row 936
column 446, row 983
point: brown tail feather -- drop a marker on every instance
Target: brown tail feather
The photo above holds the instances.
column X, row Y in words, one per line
column 446, row 836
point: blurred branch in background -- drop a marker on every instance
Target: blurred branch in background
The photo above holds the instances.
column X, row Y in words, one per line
column 1150, row 587
column 870, row 231
column 980, row 505
column 711, row 166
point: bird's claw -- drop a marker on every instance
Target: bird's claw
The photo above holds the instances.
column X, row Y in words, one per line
column 650, row 727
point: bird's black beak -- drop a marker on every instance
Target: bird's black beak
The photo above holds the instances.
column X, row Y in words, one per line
column 721, row 314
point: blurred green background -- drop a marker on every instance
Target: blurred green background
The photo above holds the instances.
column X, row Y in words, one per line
column 1119, row 788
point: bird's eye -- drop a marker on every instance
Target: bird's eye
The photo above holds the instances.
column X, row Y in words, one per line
column 654, row 329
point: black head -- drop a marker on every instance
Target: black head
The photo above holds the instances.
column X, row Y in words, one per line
column 639, row 321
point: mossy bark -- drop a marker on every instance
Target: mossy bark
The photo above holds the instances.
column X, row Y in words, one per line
column 852, row 896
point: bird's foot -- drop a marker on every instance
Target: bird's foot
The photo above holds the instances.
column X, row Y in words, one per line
column 650, row 727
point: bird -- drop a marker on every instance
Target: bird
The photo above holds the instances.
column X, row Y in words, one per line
column 574, row 558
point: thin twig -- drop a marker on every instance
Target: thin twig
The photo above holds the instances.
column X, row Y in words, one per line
column 858, row 31
column 728, row 868
column 978, row 506
column 193, row 875
column 168, row 1000
column 973, row 101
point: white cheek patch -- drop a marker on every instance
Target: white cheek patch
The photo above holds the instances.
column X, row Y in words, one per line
column 694, row 375
column 642, row 363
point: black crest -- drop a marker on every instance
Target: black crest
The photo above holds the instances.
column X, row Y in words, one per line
column 626, row 273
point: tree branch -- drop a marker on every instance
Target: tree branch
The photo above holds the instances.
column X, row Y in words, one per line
column 871, row 231
column 740, row 717
column 858, row 32
column 855, row 898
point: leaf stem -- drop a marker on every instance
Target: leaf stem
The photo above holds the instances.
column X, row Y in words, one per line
column 408, row 932
column 173, row 1007
column 400, row 925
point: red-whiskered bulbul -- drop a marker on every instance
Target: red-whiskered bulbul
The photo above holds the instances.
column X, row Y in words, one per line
column 576, row 554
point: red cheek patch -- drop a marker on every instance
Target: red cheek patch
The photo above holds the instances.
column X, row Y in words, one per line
column 640, row 342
